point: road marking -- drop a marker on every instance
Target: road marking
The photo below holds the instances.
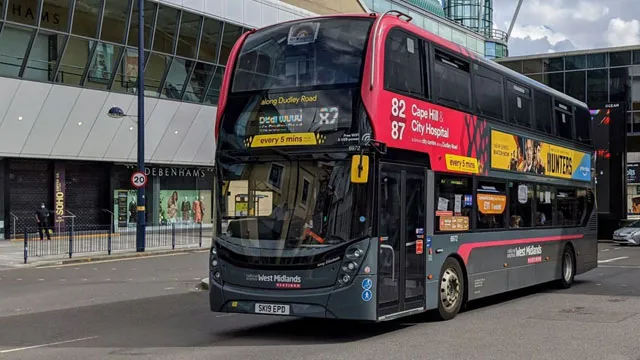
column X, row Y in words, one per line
column 225, row 315
column 18, row 279
column 620, row 266
column 612, row 260
column 606, row 249
column 45, row 345
column 169, row 288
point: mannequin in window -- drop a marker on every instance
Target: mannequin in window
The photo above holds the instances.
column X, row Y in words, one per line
column 197, row 211
column 172, row 207
column 201, row 208
column 186, row 209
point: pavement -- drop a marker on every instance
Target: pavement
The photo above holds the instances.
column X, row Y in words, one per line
column 153, row 308
column 56, row 251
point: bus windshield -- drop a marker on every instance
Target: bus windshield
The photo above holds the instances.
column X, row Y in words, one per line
column 303, row 54
column 288, row 205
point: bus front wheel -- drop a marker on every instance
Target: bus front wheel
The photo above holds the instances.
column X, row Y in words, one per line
column 568, row 268
column 451, row 290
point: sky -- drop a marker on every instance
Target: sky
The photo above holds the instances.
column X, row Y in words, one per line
column 545, row 26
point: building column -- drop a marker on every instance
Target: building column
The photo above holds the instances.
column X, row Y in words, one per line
column 152, row 200
column 4, row 221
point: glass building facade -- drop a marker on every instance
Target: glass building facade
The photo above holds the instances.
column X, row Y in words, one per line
column 93, row 44
column 448, row 22
column 595, row 77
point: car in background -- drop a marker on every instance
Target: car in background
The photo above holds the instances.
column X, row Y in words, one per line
column 629, row 234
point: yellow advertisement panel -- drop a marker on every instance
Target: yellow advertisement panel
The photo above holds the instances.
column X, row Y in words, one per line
column 462, row 163
column 289, row 139
column 521, row 154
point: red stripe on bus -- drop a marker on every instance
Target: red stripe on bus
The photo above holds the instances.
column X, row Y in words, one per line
column 465, row 249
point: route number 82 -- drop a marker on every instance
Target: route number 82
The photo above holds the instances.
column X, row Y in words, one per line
column 398, row 108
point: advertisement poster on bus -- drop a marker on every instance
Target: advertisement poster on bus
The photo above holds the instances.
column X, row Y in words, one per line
column 455, row 141
column 521, row 154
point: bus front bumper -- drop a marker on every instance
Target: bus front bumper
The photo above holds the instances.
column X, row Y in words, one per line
column 327, row 303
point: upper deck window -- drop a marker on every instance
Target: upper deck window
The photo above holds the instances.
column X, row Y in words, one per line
column 402, row 63
column 303, row 54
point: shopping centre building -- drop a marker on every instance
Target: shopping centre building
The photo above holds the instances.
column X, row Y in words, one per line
column 65, row 63
column 608, row 80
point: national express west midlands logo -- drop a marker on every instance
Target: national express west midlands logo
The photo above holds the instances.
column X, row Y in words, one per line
column 281, row 281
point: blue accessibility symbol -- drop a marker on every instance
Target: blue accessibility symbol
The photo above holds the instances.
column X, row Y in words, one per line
column 367, row 283
column 367, row 295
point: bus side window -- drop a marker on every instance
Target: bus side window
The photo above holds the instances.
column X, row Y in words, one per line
column 583, row 125
column 451, row 81
column 487, row 90
column 543, row 107
column 454, row 201
column 519, row 104
column 402, row 65
column 520, row 205
column 545, row 197
column 564, row 120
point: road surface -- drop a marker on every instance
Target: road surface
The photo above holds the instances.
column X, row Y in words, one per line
column 151, row 309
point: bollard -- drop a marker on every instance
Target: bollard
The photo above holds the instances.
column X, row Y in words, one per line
column 70, row 242
column 26, row 246
column 200, row 235
column 173, row 236
column 109, row 238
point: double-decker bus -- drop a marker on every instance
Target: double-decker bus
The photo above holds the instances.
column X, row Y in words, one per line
column 368, row 169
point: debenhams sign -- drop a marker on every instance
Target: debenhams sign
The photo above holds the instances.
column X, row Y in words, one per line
column 160, row 171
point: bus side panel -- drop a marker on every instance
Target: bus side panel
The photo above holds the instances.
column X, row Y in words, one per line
column 502, row 261
column 586, row 253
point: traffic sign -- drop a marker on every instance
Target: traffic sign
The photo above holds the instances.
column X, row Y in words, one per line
column 138, row 179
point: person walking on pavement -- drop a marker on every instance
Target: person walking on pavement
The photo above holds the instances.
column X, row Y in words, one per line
column 42, row 217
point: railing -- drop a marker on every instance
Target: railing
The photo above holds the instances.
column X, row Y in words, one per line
column 101, row 239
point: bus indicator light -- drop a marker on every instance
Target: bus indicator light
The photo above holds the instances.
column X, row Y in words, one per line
column 419, row 247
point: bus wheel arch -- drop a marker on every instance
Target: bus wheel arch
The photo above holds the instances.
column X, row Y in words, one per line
column 567, row 266
column 452, row 287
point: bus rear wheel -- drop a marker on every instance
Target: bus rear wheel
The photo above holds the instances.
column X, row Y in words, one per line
column 451, row 289
column 568, row 269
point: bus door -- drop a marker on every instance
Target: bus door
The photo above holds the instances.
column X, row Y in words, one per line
column 401, row 228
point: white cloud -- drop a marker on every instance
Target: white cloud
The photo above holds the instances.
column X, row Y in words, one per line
column 537, row 32
column 620, row 32
column 562, row 25
column 590, row 11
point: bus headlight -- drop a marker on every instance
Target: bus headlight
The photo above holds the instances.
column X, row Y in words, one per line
column 214, row 264
column 350, row 265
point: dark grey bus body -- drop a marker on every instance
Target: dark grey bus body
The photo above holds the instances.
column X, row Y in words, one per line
column 490, row 267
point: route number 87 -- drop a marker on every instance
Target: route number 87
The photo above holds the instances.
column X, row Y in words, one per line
column 397, row 130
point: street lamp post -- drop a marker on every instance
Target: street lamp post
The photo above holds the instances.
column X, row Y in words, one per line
column 116, row 112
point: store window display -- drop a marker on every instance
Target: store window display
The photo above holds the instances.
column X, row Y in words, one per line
column 125, row 208
column 184, row 207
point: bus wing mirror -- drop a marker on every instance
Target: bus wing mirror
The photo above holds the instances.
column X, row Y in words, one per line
column 360, row 169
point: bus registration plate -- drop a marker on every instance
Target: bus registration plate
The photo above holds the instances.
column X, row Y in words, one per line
column 272, row 309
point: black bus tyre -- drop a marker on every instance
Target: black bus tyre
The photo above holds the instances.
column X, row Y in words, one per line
column 568, row 268
column 451, row 289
